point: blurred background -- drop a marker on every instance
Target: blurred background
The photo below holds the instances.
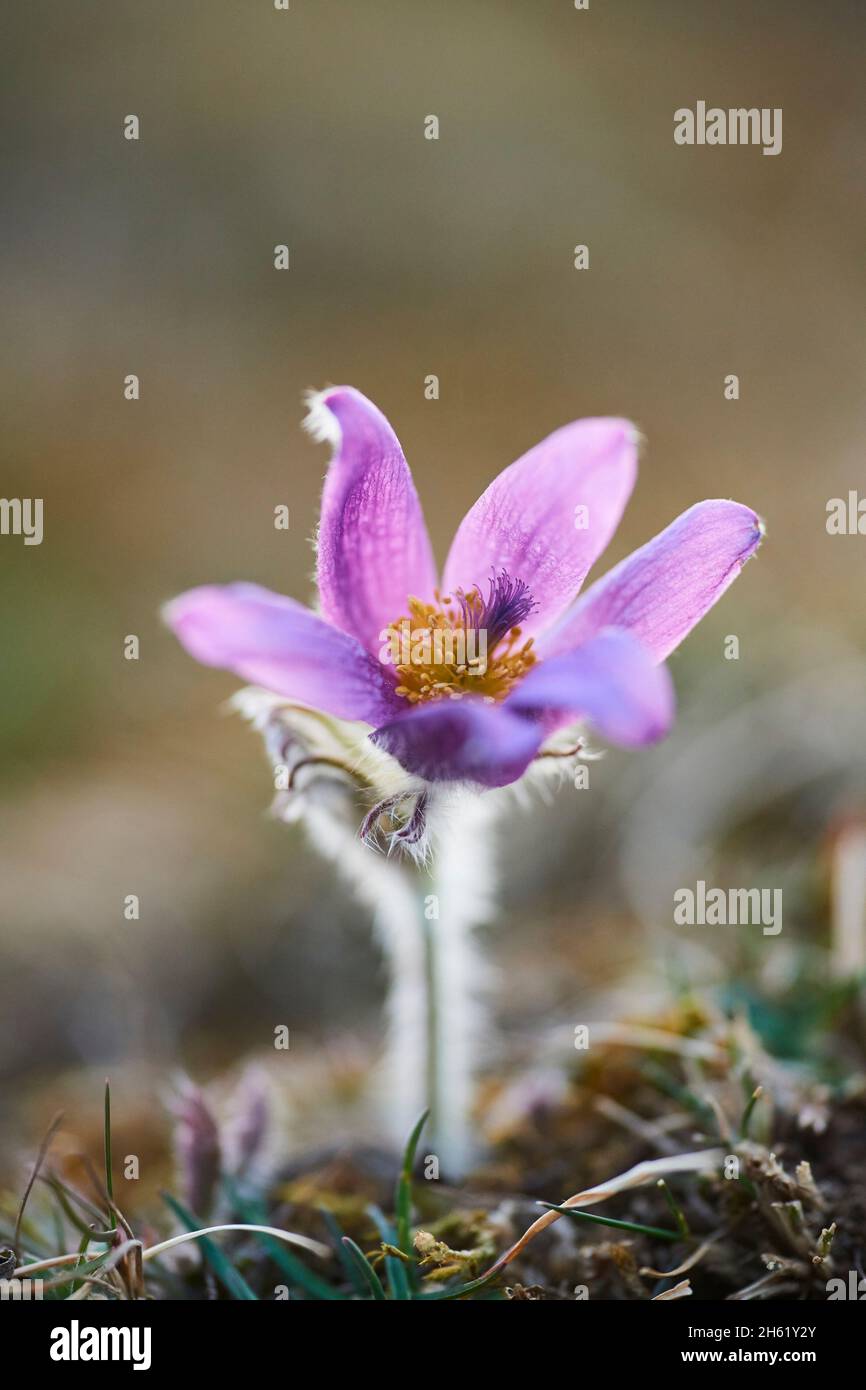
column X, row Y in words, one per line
column 409, row 257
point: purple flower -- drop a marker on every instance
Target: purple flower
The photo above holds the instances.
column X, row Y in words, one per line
column 463, row 679
column 197, row 1148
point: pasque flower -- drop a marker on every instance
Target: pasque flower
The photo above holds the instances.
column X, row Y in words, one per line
column 511, row 578
column 420, row 690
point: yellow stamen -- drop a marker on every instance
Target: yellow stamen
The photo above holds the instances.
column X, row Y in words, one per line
column 447, row 657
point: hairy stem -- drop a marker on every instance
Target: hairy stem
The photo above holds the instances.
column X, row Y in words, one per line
column 387, row 888
column 457, row 979
column 431, row 986
column 425, row 921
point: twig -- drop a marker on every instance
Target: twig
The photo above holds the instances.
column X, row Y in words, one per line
column 40, row 1159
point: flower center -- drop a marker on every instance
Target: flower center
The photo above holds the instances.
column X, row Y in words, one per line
column 462, row 644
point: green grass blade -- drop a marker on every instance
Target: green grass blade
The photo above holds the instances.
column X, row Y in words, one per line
column 675, row 1209
column 655, row 1231
column 62, row 1285
column 216, row 1258
column 658, row 1077
column 403, row 1195
column 747, row 1113
column 109, row 1180
column 350, row 1269
column 398, row 1273
column 474, row 1284
column 365, row 1269
column 294, row 1269
column 78, row 1222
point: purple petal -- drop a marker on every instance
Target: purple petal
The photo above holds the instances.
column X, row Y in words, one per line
column 462, row 741
column 527, row 522
column 278, row 643
column 612, row 682
column 373, row 547
column 660, row 591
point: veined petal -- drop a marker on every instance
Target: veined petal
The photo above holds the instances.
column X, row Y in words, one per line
column 461, row 741
column 279, row 644
column 547, row 518
column 373, row 547
column 662, row 590
column 612, row 682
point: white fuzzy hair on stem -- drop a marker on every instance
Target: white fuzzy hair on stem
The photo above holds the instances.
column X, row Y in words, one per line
column 386, row 889
column 426, row 902
column 464, row 878
column 438, row 981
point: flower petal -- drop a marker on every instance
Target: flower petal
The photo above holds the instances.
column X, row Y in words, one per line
column 612, row 682
column 461, row 741
column 373, row 547
column 662, row 590
column 278, row 643
column 527, row 522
